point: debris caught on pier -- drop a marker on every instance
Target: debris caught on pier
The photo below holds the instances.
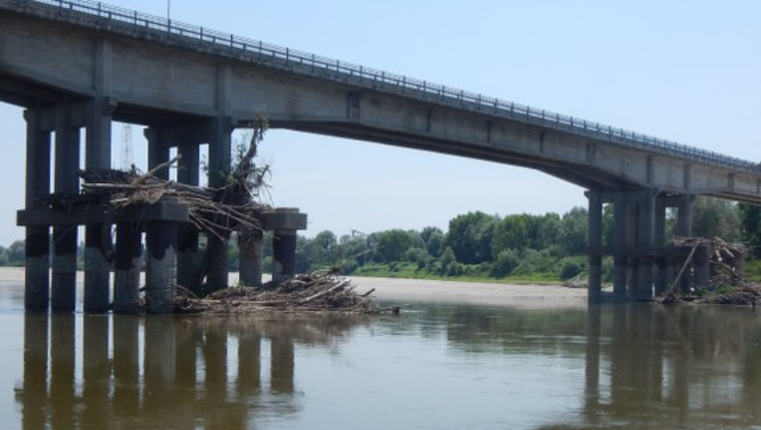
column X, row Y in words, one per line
column 232, row 207
column 313, row 292
column 727, row 283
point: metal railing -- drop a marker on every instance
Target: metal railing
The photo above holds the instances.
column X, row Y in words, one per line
column 100, row 15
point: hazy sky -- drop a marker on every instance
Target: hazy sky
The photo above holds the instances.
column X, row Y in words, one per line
column 684, row 71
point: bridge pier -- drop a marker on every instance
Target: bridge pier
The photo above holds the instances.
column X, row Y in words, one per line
column 165, row 226
column 220, row 145
column 127, row 267
column 285, row 222
column 646, row 244
column 97, row 156
column 251, row 246
column 643, row 267
column 188, row 267
column 160, row 277
column 64, row 264
column 595, row 246
column 620, row 239
column 37, row 258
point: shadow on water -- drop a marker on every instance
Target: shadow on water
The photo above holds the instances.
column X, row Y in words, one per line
column 629, row 365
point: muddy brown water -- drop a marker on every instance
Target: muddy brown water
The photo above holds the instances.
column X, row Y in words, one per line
column 442, row 364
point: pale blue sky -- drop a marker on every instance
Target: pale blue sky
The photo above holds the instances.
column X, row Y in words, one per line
column 684, row 71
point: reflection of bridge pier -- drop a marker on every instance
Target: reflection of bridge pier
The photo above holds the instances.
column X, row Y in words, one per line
column 34, row 397
column 670, row 367
column 159, row 368
column 125, row 401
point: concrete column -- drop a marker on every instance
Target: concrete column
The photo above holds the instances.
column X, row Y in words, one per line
column 161, row 237
column 701, row 264
column 645, row 245
column 620, row 258
column 283, row 255
column 158, row 150
column 97, row 156
column 251, row 246
column 684, row 216
column 97, row 270
column 285, row 222
column 65, row 236
column 162, row 261
column 220, row 146
column 632, row 227
column 661, row 282
column 37, row 258
column 595, row 247
column 127, row 267
column 684, row 229
column 188, row 265
column 217, row 275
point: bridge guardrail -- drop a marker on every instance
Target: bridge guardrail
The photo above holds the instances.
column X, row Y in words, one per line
column 310, row 64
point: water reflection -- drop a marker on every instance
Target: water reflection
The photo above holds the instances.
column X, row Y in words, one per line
column 438, row 366
column 163, row 372
column 660, row 367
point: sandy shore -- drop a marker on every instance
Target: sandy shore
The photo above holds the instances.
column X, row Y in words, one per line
column 517, row 295
column 418, row 290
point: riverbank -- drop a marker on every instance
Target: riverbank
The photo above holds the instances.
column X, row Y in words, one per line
column 497, row 294
column 399, row 291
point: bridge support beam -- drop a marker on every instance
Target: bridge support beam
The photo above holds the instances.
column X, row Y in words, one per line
column 646, row 244
column 37, row 258
column 67, row 142
column 188, row 267
column 220, row 146
column 620, row 258
column 285, row 222
column 127, row 267
column 595, row 247
column 161, row 265
column 661, row 278
column 684, row 229
column 251, row 246
column 97, row 156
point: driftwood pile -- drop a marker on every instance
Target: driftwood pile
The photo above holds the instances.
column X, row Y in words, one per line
column 218, row 211
column 728, row 284
column 313, row 292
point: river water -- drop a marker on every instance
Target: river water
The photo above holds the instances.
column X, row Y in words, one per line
column 437, row 366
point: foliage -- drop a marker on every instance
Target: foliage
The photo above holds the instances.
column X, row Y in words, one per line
column 574, row 231
column 750, row 227
column 470, row 237
column 507, row 260
column 433, row 238
column 712, row 217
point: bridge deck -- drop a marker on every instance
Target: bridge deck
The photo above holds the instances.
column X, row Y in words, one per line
column 135, row 24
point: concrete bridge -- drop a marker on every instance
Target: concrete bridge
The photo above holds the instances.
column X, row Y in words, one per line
column 80, row 64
